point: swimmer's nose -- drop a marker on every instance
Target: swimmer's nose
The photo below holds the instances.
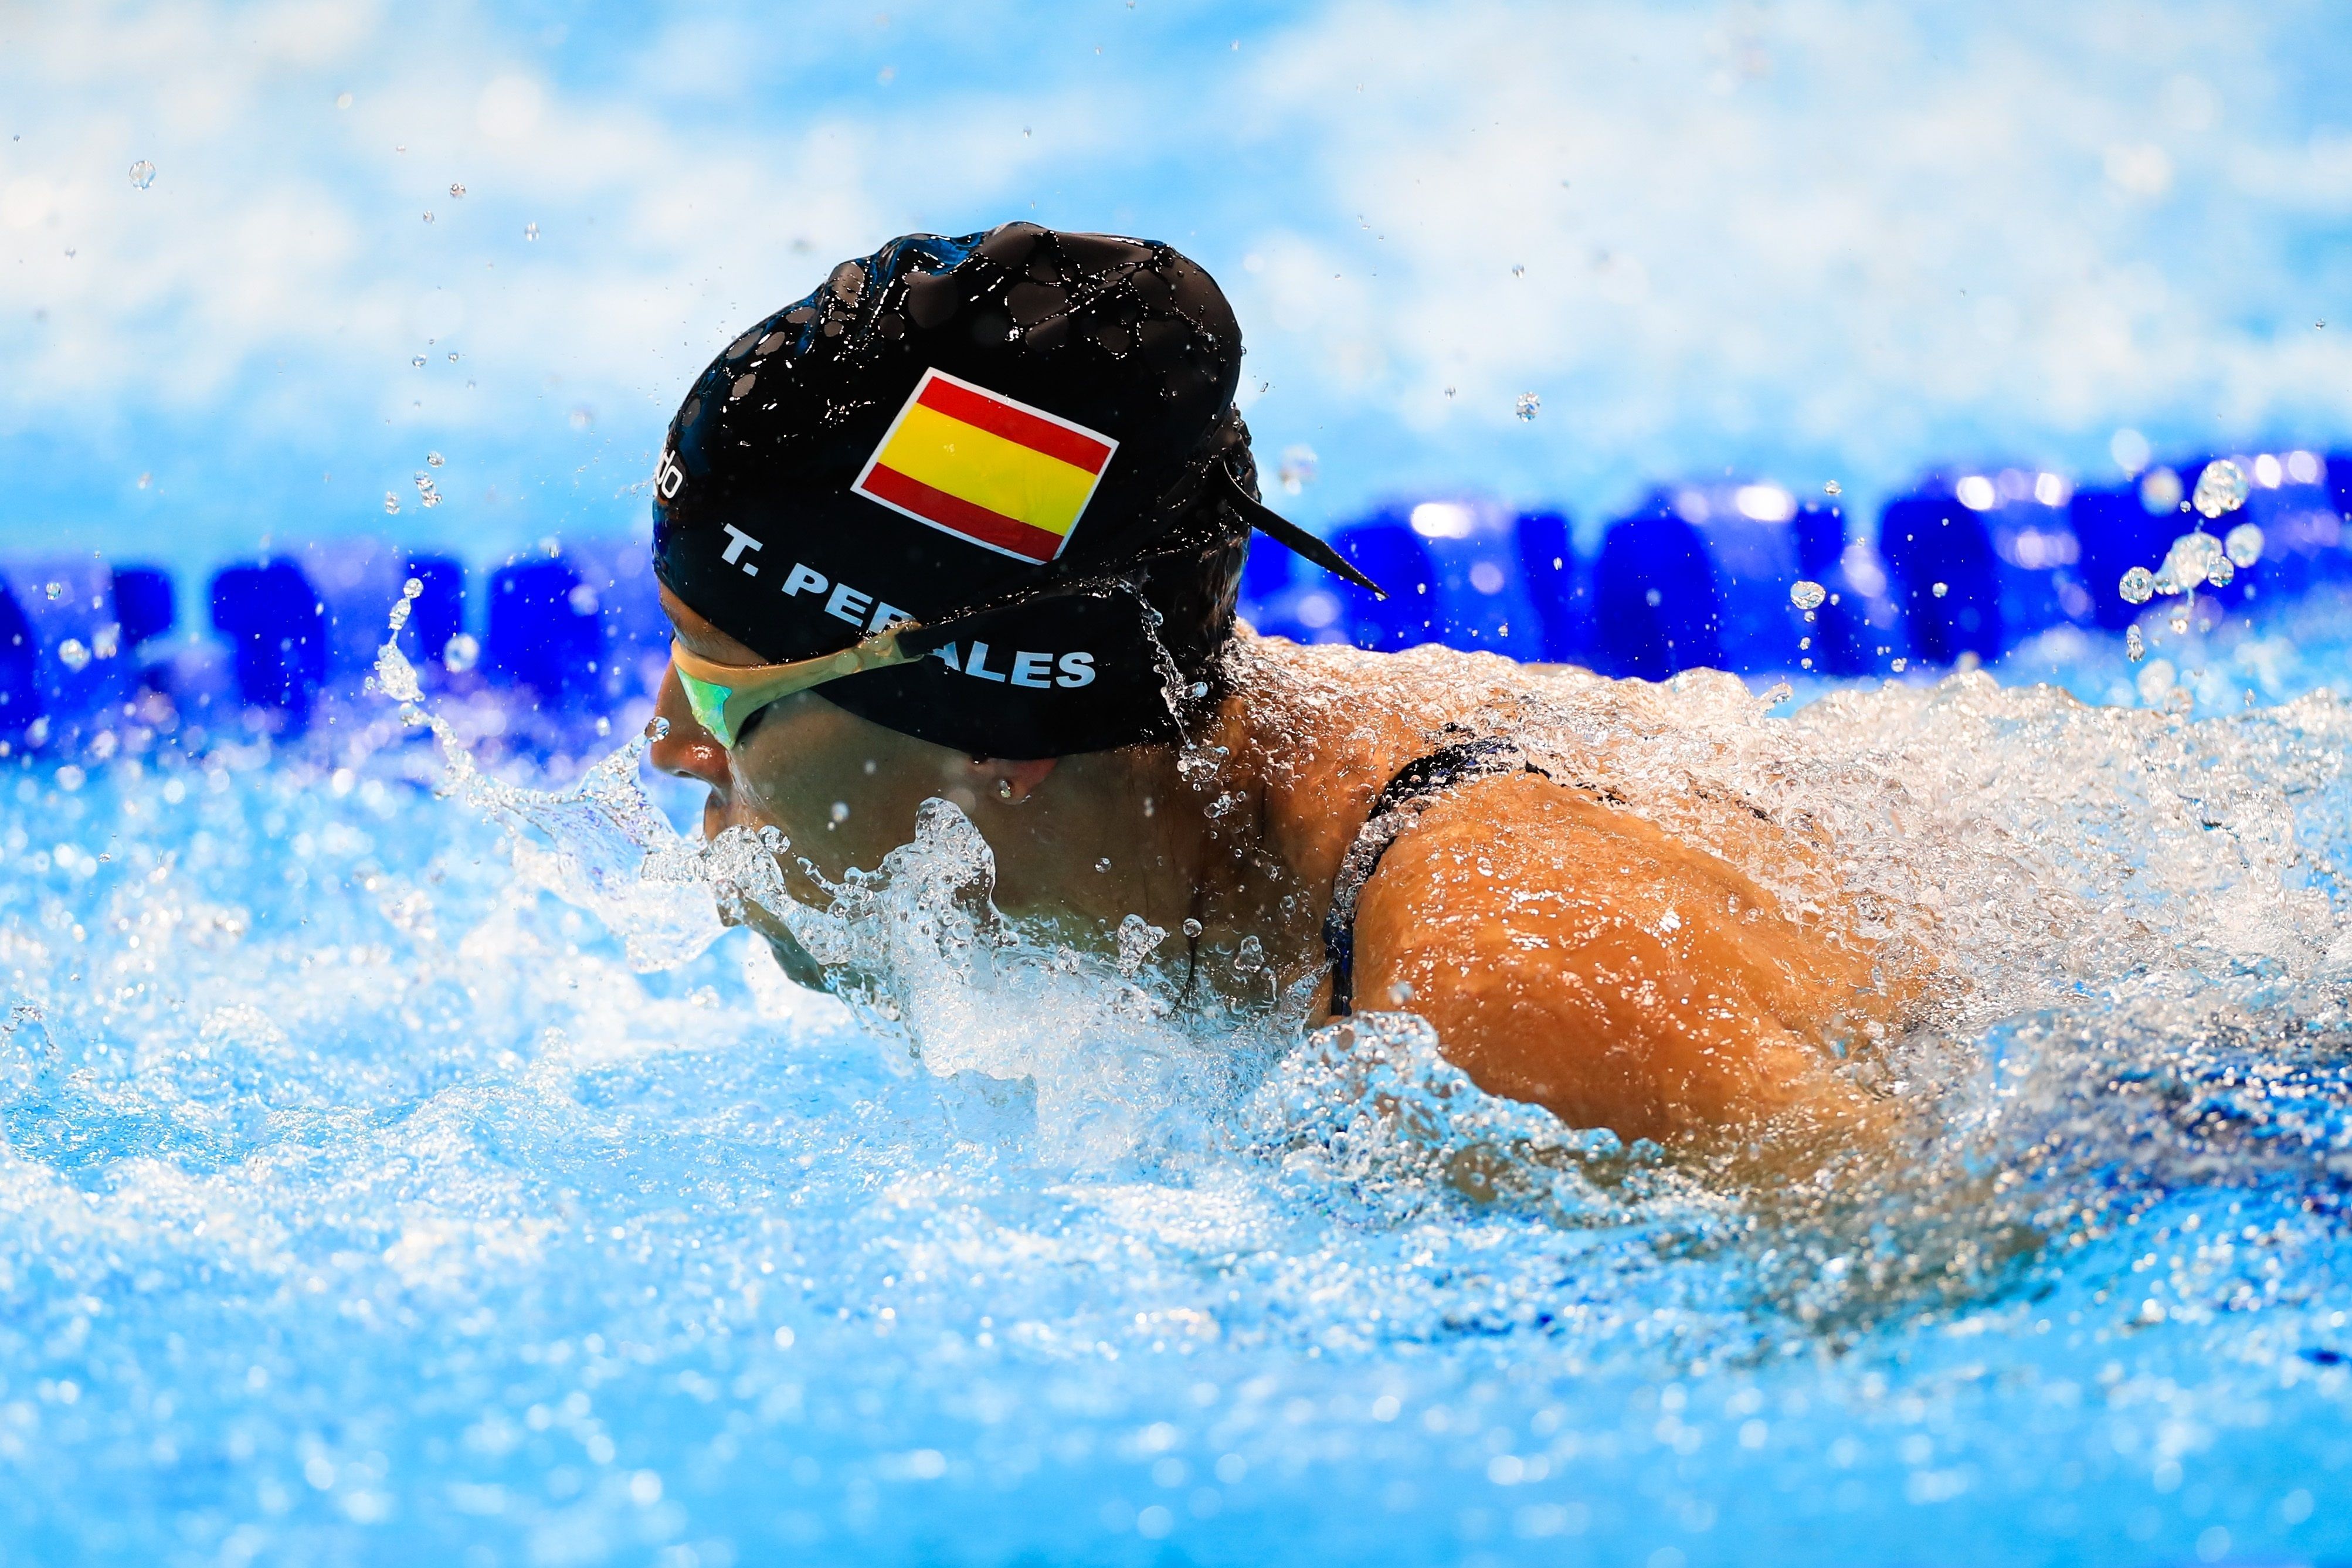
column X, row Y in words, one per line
column 689, row 750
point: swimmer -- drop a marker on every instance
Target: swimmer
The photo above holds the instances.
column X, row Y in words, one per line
column 968, row 522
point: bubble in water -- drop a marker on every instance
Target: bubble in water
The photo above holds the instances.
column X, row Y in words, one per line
column 2243, row 543
column 457, row 193
column 1834, row 487
column 2221, row 488
column 2138, row 586
column 1806, row 595
column 391, row 504
column 2159, row 492
column 73, row 655
column 432, row 460
column 2135, row 645
column 1250, row 957
column 1939, row 589
column 531, row 231
column 1193, row 928
column 460, row 654
column 1527, row 405
column 143, row 174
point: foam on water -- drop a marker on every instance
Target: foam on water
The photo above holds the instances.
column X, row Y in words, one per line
column 397, row 1161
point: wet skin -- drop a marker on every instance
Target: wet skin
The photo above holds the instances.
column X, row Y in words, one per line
column 1568, row 953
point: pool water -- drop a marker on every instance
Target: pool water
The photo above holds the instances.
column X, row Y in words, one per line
column 400, row 1167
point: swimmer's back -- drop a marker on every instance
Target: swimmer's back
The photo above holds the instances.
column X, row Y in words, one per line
column 1571, row 955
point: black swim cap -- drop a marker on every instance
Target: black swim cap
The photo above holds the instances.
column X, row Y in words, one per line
column 1022, row 441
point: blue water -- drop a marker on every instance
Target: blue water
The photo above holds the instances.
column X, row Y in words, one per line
column 388, row 1173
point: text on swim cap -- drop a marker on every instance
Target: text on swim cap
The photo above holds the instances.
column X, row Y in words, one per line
column 852, row 605
column 737, row 542
column 669, row 478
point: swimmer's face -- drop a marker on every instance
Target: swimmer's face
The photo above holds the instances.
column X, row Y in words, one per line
column 844, row 790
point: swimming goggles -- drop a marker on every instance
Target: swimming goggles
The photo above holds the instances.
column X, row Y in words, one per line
column 723, row 697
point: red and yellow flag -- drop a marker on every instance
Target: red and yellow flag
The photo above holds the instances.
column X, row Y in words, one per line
column 976, row 464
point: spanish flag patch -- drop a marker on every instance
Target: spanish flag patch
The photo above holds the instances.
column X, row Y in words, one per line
column 976, row 464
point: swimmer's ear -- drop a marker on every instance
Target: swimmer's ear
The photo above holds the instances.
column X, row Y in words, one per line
column 1011, row 781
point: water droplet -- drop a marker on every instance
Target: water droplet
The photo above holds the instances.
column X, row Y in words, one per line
column 1449, row 392
column 2243, row 543
column 453, row 356
column 2135, row 645
column 2190, row 561
column 460, row 654
column 432, row 460
column 841, row 811
column 2138, row 586
column 457, row 193
column 1103, row 863
column 1024, row 130
column 143, row 174
column 531, row 231
column 1834, row 487
column 1250, row 957
column 73, row 655
column 1193, row 928
column 1197, row 690
column 391, row 504
column 428, row 217
column 1898, row 665
column 581, row 418
column 2159, row 491
column 55, row 590
column 1298, row 469
column 2220, row 570
column 1526, row 405
column 418, row 361
column 2221, row 488
column 1518, row 270
column 342, row 100
column 412, row 588
column 1806, row 595
column 1939, row 589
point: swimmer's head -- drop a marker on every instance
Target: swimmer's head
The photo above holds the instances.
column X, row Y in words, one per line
column 1020, row 447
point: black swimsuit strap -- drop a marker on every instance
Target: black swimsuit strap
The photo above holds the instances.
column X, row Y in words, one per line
column 1399, row 805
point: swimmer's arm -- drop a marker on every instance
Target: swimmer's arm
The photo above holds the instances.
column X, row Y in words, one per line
column 1575, row 956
